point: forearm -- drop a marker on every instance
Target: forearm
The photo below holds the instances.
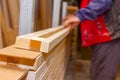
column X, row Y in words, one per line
column 94, row 9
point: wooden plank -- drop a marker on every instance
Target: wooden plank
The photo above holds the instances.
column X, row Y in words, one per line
column 56, row 12
column 12, row 73
column 14, row 13
column 50, row 11
column 21, row 58
column 48, row 63
column 64, row 10
column 53, row 65
column 46, row 10
column 43, row 41
column 43, row 14
column 51, row 73
column 27, row 8
column 37, row 17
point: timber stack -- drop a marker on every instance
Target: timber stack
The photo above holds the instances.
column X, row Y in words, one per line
column 41, row 55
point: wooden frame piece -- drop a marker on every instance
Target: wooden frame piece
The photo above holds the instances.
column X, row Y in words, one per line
column 44, row 40
column 22, row 58
column 49, row 64
column 27, row 8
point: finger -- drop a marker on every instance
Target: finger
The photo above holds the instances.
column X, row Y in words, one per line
column 67, row 23
column 71, row 27
column 67, row 17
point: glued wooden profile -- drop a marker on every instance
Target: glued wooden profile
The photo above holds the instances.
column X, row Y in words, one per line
column 50, row 63
column 43, row 41
column 21, row 58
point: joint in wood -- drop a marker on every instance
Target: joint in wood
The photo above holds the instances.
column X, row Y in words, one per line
column 35, row 45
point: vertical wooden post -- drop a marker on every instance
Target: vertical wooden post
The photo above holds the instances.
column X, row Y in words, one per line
column 26, row 16
column 14, row 13
column 56, row 12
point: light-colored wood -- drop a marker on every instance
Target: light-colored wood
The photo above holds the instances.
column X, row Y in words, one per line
column 21, row 58
column 43, row 41
column 56, row 12
column 54, row 63
column 27, row 8
column 51, row 72
column 12, row 73
column 64, row 10
column 49, row 60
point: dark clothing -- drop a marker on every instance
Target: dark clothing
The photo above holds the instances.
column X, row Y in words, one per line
column 94, row 9
column 105, row 60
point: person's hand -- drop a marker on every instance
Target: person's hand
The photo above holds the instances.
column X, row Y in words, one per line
column 71, row 21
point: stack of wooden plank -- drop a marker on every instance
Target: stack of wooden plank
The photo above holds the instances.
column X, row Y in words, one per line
column 45, row 54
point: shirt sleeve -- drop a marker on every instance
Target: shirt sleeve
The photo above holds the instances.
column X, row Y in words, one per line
column 93, row 10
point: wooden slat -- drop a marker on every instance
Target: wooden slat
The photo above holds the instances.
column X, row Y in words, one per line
column 27, row 8
column 21, row 58
column 56, row 12
column 49, row 62
column 43, row 41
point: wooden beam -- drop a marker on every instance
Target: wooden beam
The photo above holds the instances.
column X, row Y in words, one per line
column 21, row 58
column 49, row 64
column 43, row 41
